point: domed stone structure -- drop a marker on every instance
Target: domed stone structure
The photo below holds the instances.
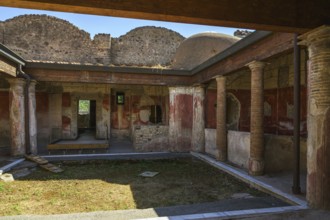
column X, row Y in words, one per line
column 199, row 48
column 145, row 46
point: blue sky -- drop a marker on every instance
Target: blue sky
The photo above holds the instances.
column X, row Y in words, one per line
column 112, row 25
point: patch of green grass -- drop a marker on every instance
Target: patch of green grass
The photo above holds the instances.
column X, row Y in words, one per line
column 114, row 185
column 2, row 187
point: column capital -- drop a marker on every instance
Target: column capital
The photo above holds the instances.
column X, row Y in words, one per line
column 16, row 81
column 220, row 78
column 32, row 86
column 33, row 82
column 316, row 35
column 256, row 65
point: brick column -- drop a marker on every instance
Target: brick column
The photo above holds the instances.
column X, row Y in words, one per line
column 256, row 160
column 318, row 142
column 198, row 127
column 17, row 121
column 33, row 117
column 221, row 135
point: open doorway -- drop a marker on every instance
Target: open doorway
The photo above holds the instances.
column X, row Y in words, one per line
column 87, row 117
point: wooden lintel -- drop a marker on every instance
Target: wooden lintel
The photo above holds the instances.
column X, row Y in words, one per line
column 51, row 75
column 277, row 16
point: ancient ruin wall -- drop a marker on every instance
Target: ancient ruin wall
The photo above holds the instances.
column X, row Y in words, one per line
column 145, row 46
column 47, row 38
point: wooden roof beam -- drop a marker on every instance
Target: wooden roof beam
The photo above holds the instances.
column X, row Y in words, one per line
column 278, row 16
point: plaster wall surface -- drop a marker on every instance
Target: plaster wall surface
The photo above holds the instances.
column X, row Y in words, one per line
column 278, row 150
column 181, row 118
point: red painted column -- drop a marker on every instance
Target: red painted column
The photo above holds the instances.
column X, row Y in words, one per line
column 33, row 117
column 221, row 135
column 318, row 141
column 256, row 160
column 17, row 121
column 198, row 127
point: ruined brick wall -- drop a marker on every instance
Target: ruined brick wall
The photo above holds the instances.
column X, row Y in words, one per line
column 150, row 138
column 145, row 46
column 47, row 38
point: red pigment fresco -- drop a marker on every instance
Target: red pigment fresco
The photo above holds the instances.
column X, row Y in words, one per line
column 42, row 105
column 66, row 100
column 66, row 122
column 280, row 121
column 185, row 108
column 244, row 97
column 132, row 106
column 4, row 105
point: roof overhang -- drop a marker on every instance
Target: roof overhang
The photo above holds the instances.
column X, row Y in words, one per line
column 278, row 16
column 9, row 61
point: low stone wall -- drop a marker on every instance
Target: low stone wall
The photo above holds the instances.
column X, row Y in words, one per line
column 150, row 137
column 210, row 141
column 278, row 154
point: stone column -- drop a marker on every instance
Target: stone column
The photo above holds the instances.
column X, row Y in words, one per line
column 17, row 113
column 256, row 160
column 198, row 127
column 221, row 135
column 33, row 117
column 318, row 142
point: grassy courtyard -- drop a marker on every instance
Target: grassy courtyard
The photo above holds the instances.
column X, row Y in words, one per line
column 116, row 185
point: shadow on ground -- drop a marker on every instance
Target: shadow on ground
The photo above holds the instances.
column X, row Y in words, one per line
column 183, row 186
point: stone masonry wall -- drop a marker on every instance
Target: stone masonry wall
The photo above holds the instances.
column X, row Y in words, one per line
column 47, row 38
column 150, row 138
column 43, row 38
column 145, row 46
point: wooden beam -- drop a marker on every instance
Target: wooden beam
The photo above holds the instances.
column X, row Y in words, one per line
column 51, row 75
column 268, row 47
column 279, row 16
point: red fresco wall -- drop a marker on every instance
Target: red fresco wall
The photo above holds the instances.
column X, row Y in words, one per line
column 131, row 106
column 210, row 103
column 66, row 100
column 4, row 123
column 42, row 113
column 181, row 110
column 4, row 105
column 185, row 110
column 280, row 100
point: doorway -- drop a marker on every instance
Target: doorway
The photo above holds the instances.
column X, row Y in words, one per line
column 87, row 117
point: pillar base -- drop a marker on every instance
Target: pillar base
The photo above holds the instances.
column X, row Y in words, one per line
column 256, row 167
column 221, row 157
